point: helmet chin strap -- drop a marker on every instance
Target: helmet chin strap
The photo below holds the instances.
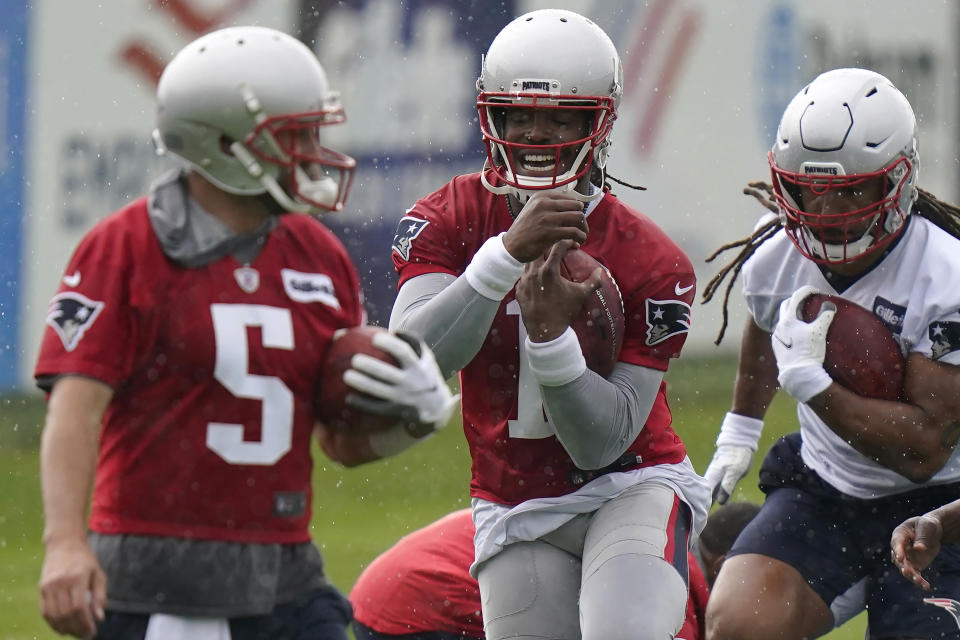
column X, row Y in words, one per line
column 892, row 223
column 324, row 189
column 839, row 252
column 524, row 194
column 255, row 169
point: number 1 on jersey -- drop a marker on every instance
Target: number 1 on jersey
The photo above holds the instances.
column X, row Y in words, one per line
column 531, row 423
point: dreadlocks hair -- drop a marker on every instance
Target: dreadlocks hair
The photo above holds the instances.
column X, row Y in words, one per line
column 603, row 179
column 943, row 214
column 763, row 192
column 622, row 182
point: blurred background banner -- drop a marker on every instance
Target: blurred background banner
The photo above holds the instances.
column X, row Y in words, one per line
column 14, row 40
column 705, row 85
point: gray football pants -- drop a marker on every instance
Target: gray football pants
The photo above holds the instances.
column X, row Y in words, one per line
column 611, row 563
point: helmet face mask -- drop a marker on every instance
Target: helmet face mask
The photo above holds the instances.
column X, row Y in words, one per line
column 243, row 106
column 309, row 173
column 847, row 134
column 548, row 60
column 846, row 234
column 553, row 164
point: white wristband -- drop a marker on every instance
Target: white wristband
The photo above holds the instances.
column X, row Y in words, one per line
column 493, row 271
column 740, row 431
column 558, row 361
column 805, row 381
column 393, row 441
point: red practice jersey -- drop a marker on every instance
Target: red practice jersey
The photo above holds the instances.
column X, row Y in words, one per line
column 422, row 583
column 213, row 369
column 515, row 456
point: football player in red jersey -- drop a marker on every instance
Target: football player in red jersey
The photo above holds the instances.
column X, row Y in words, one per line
column 583, row 496
column 852, row 222
column 181, row 358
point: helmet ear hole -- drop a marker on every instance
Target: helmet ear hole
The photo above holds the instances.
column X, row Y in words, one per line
column 225, row 142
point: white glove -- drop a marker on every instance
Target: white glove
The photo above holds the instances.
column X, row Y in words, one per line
column 736, row 445
column 800, row 347
column 415, row 391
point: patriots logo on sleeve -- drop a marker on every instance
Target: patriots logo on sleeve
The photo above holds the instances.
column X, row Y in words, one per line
column 666, row 318
column 71, row 314
column 408, row 229
column 945, row 337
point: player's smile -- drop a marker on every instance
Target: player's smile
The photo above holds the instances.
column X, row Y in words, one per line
column 537, row 162
column 542, row 138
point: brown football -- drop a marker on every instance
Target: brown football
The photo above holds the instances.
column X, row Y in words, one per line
column 330, row 401
column 599, row 326
column 862, row 354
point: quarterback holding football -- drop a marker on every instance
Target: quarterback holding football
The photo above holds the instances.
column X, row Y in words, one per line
column 581, row 492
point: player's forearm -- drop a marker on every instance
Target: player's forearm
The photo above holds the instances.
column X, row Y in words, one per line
column 450, row 315
column 354, row 449
column 900, row 436
column 756, row 381
column 68, row 456
column 597, row 419
column 949, row 517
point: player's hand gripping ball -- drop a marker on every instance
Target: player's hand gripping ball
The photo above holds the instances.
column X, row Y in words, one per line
column 330, row 402
column 862, row 354
column 599, row 325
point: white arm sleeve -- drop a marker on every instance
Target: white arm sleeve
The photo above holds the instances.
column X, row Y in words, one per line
column 597, row 419
column 451, row 316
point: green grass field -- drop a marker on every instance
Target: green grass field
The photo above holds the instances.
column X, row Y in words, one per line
column 357, row 512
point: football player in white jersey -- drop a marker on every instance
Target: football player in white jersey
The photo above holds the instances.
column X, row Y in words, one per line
column 852, row 222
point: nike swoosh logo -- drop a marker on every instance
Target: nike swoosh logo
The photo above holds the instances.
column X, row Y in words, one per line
column 788, row 345
column 72, row 280
column 677, row 289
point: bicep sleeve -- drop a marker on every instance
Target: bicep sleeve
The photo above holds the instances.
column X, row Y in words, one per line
column 448, row 313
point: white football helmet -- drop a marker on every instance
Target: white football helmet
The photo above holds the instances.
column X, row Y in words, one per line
column 846, row 127
column 548, row 59
column 233, row 104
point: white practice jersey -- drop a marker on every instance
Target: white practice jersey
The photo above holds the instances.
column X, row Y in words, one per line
column 913, row 290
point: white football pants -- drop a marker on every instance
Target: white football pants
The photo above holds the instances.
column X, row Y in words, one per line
column 614, row 563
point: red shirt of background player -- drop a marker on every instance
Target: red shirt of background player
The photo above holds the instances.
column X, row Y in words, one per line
column 153, row 330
